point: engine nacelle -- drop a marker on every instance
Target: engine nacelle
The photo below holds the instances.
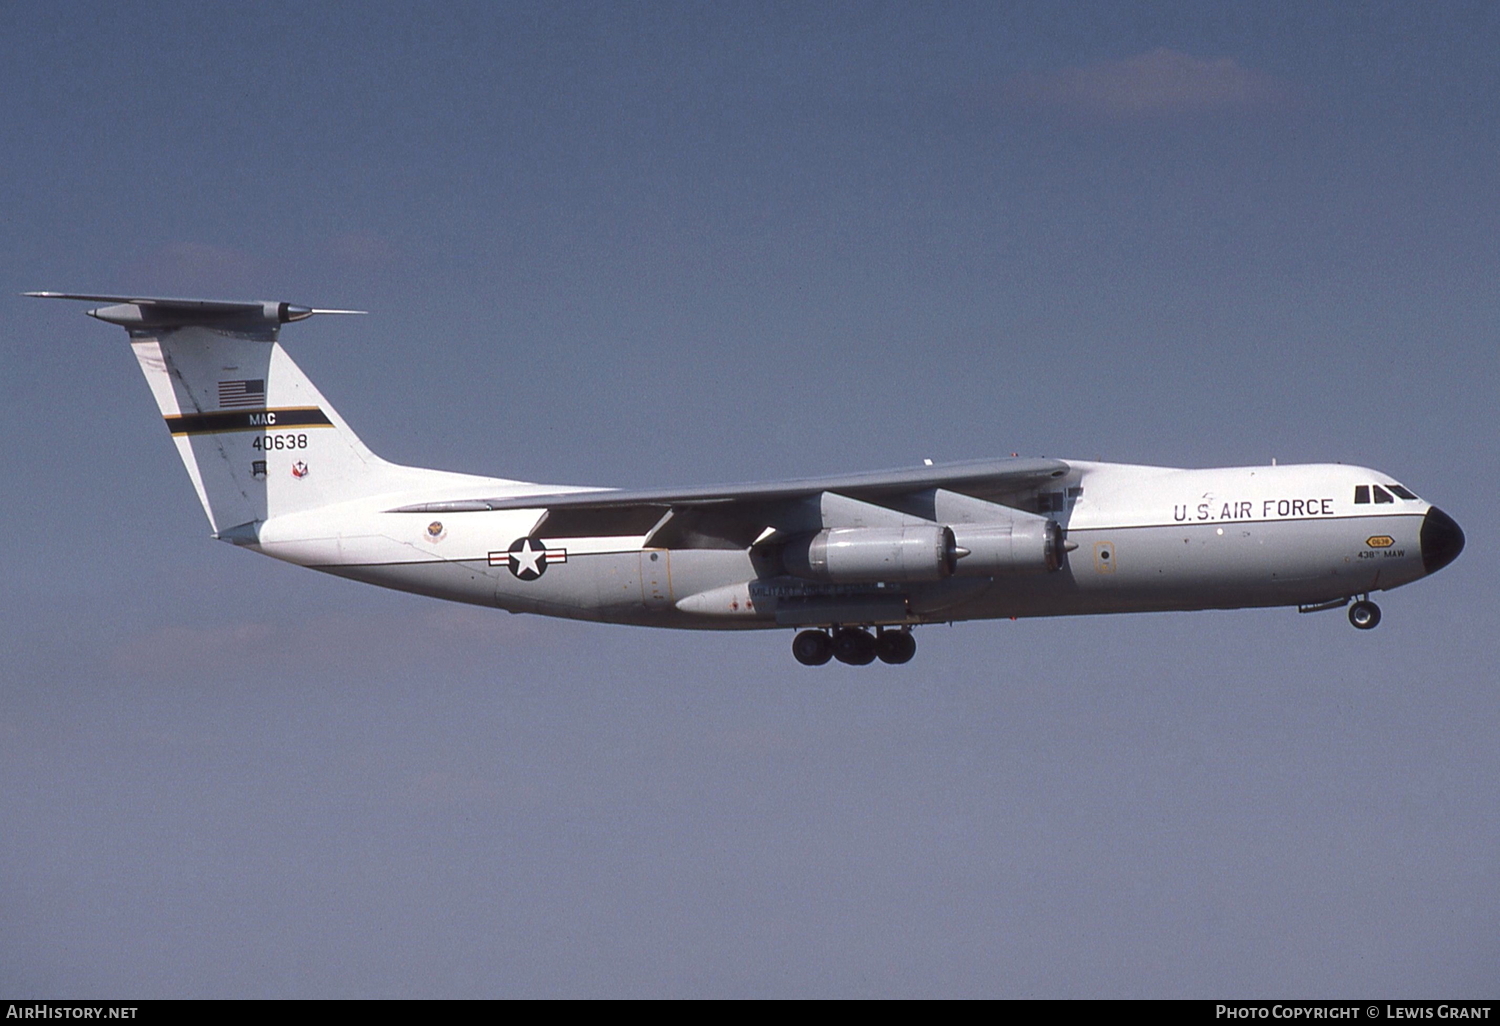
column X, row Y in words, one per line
column 1017, row 547
column 853, row 555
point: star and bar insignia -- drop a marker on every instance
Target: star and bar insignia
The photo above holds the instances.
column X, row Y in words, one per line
column 528, row 558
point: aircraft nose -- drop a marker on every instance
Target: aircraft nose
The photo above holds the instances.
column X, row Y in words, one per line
column 1442, row 540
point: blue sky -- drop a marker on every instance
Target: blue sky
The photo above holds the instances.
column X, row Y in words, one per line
column 661, row 243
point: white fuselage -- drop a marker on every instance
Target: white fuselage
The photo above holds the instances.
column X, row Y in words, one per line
column 1147, row 538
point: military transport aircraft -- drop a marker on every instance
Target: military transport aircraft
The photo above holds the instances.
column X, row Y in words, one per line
column 853, row 562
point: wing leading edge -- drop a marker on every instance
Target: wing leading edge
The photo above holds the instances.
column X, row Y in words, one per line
column 989, row 480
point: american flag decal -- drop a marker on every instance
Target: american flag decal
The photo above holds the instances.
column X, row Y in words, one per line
column 242, row 393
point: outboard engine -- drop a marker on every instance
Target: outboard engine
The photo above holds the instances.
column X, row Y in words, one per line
column 853, row 555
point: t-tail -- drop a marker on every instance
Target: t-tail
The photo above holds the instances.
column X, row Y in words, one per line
column 257, row 437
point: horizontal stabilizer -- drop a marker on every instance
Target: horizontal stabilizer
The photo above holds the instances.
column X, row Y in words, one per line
column 257, row 319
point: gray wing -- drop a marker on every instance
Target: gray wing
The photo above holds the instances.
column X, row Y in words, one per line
column 735, row 515
column 982, row 479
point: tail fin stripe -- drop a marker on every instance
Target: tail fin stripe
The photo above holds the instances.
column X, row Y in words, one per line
column 248, row 420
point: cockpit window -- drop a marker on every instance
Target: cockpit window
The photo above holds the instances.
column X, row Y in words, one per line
column 1401, row 493
column 1361, row 495
column 1381, row 495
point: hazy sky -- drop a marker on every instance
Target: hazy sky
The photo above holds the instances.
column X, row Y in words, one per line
column 641, row 244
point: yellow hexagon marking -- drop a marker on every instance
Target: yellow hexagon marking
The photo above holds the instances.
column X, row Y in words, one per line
column 1380, row 541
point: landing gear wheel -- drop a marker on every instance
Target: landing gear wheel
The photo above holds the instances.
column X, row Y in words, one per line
column 1364, row 614
column 895, row 647
column 853, row 646
column 812, row 648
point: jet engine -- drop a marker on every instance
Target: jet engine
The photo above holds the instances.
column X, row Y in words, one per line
column 1032, row 545
column 852, row 555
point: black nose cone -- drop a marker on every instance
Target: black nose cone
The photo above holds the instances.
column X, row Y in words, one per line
column 1442, row 540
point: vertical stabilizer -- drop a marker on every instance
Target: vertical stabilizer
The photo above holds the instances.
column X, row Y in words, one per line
column 257, row 437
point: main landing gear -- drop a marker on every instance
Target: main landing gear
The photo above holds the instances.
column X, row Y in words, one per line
column 1364, row 614
column 854, row 646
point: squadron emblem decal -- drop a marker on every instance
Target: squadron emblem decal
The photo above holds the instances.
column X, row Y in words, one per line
column 528, row 558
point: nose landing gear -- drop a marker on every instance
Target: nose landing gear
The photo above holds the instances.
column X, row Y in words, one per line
column 853, row 646
column 1364, row 614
